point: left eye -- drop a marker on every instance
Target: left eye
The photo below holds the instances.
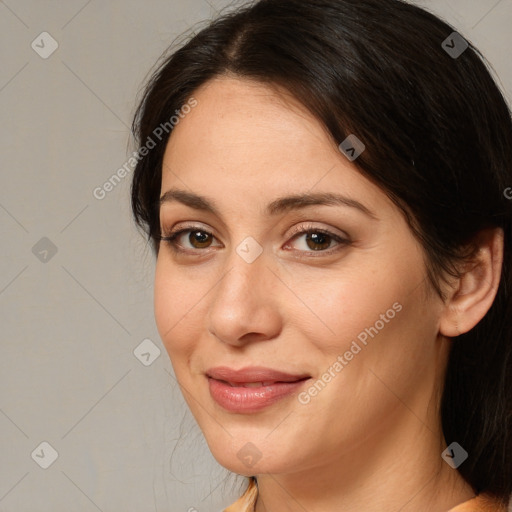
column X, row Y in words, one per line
column 318, row 240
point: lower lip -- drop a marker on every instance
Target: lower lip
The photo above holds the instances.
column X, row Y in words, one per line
column 247, row 400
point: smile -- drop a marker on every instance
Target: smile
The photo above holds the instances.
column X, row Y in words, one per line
column 251, row 389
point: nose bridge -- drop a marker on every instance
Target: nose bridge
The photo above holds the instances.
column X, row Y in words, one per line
column 241, row 303
column 245, row 260
column 246, row 266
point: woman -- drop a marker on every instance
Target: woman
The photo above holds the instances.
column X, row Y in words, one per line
column 323, row 182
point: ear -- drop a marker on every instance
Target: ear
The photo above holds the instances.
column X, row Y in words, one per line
column 471, row 296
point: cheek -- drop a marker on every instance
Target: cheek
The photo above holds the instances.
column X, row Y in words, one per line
column 176, row 302
column 387, row 343
column 347, row 304
column 379, row 318
column 393, row 365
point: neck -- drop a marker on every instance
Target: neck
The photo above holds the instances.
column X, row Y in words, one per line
column 405, row 473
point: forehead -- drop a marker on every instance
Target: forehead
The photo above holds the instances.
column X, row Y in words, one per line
column 233, row 113
column 244, row 141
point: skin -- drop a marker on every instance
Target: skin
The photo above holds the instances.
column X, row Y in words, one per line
column 372, row 436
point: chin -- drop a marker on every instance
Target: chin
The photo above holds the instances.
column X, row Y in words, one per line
column 251, row 455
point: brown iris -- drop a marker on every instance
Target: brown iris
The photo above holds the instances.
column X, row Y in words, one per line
column 315, row 239
column 202, row 238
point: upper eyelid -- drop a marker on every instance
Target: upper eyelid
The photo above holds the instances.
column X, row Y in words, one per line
column 183, row 225
column 309, row 227
column 191, row 227
column 301, row 229
column 301, row 225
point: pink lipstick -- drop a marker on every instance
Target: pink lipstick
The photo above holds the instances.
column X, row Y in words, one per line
column 251, row 389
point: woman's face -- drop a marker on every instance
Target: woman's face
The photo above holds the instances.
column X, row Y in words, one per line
column 274, row 276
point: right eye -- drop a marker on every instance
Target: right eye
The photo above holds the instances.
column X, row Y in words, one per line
column 198, row 238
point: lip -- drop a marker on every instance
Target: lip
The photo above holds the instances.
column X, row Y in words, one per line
column 228, row 387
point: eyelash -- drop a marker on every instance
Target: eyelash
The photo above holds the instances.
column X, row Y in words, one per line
column 170, row 239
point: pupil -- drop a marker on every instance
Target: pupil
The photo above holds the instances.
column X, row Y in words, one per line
column 199, row 237
column 317, row 239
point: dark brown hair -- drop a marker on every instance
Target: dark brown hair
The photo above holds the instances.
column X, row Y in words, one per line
column 438, row 137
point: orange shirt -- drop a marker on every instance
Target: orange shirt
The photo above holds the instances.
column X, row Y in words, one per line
column 480, row 503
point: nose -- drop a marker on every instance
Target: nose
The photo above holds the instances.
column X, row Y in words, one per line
column 244, row 306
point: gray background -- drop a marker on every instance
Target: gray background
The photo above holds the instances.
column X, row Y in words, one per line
column 72, row 319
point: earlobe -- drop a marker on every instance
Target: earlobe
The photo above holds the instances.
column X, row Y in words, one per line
column 472, row 295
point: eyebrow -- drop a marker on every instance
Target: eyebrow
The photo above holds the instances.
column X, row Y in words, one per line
column 280, row 205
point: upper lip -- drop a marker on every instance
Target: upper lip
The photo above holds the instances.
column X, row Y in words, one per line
column 253, row 374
